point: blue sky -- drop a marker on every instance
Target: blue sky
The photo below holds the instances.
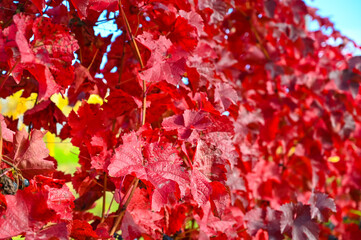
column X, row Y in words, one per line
column 345, row 14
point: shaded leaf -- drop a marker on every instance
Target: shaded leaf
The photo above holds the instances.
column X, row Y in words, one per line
column 297, row 222
column 321, row 205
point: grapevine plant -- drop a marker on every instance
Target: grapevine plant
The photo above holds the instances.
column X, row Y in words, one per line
column 219, row 120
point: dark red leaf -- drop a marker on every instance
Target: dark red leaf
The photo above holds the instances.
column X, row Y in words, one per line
column 266, row 219
column 45, row 115
column 321, row 205
column 297, row 222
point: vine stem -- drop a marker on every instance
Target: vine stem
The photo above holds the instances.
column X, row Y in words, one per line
column 135, row 183
column 256, row 34
column 137, row 53
column 1, row 143
column 124, row 207
column 10, row 164
column 104, row 196
column 95, row 55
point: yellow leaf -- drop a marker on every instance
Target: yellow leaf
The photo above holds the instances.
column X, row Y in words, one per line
column 15, row 105
column 334, row 159
column 49, row 139
column 355, row 211
column 291, row 151
column 95, row 99
column 61, row 103
column 279, row 150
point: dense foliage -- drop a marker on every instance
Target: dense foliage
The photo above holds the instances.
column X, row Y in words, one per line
column 221, row 120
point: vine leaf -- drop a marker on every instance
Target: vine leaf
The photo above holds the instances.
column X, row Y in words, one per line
column 30, row 155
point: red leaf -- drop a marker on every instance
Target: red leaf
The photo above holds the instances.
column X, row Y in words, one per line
column 81, row 74
column 50, row 52
column 58, row 231
column 130, row 230
column 23, row 24
column 184, row 34
column 128, row 158
column 81, row 6
column 160, row 166
column 163, row 63
column 82, row 230
column 35, row 206
column 220, row 198
column 210, row 225
column 188, row 125
column 208, row 165
column 264, row 173
column 89, row 120
column 61, row 200
column 218, row 7
column 200, row 187
column 39, row 4
column 47, row 84
column 3, row 204
column 16, row 218
column 177, row 216
column 142, row 220
column 193, row 19
column 7, row 134
column 101, row 5
column 225, row 95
